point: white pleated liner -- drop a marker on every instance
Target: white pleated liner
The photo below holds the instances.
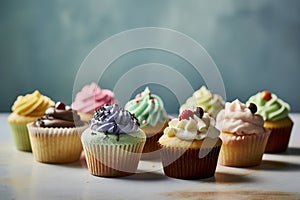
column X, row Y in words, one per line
column 242, row 151
column 113, row 160
column 56, row 145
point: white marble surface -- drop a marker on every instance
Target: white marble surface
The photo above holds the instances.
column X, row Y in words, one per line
column 21, row 177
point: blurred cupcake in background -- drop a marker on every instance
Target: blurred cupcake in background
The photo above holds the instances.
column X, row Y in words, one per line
column 243, row 135
column 210, row 102
column 275, row 113
column 26, row 109
column 90, row 98
column 55, row 137
column 149, row 109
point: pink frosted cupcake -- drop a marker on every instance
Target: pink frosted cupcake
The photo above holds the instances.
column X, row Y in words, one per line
column 243, row 135
column 90, row 98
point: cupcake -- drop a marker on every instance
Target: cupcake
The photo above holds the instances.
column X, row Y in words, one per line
column 26, row 109
column 90, row 98
column 55, row 137
column 210, row 102
column 190, row 146
column 113, row 143
column 243, row 135
column 275, row 114
column 149, row 109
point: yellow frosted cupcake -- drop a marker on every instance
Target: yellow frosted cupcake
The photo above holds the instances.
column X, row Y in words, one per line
column 190, row 146
column 210, row 102
column 26, row 109
column 243, row 135
column 275, row 113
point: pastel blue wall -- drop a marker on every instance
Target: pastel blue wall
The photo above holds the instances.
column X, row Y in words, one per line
column 255, row 44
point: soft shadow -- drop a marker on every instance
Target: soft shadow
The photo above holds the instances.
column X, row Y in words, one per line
column 146, row 176
column 223, row 178
column 277, row 165
column 81, row 163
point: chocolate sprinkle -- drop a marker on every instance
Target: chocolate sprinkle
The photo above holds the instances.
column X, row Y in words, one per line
column 252, row 108
column 199, row 112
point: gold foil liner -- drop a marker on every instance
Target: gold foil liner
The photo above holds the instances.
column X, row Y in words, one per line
column 56, row 145
column 189, row 163
column 242, row 151
column 112, row 160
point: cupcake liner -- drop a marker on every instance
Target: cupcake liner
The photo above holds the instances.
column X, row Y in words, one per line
column 55, row 145
column 189, row 163
column 151, row 148
column 112, row 160
column 21, row 137
column 242, row 151
column 279, row 139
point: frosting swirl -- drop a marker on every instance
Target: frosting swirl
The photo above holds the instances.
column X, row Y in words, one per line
column 147, row 108
column 59, row 117
column 33, row 105
column 193, row 128
column 238, row 118
column 92, row 97
column 113, row 119
column 272, row 108
column 211, row 103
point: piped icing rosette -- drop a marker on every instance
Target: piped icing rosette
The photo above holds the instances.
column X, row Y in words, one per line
column 148, row 108
column 192, row 126
column 92, row 97
column 59, row 116
column 210, row 102
column 113, row 119
column 33, row 105
column 239, row 119
column 269, row 106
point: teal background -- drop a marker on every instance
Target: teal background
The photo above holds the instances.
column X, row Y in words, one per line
column 255, row 44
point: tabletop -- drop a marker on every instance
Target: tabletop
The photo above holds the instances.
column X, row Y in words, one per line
column 21, row 177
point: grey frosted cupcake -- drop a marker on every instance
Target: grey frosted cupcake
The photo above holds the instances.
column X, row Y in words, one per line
column 113, row 143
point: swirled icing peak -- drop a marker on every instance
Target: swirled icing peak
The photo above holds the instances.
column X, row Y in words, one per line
column 33, row 104
column 148, row 108
column 210, row 102
column 59, row 116
column 192, row 126
column 269, row 106
column 238, row 118
column 113, row 119
column 92, row 97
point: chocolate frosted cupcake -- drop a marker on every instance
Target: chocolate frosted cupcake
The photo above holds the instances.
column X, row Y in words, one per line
column 55, row 138
column 113, row 143
column 190, row 146
column 275, row 113
column 149, row 109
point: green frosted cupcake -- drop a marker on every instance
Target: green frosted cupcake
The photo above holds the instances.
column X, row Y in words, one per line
column 149, row 109
column 113, row 143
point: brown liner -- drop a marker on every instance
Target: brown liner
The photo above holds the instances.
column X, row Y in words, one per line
column 112, row 160
column 278, row 140
column 186, row 164
column 151, row 148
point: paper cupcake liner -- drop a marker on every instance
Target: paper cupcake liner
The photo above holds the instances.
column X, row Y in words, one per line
column 279, row 139
column 242, row 151
column 189, row 163
column 115, row 160
column 21, row 137
column 151, row 148
column 55, row 145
